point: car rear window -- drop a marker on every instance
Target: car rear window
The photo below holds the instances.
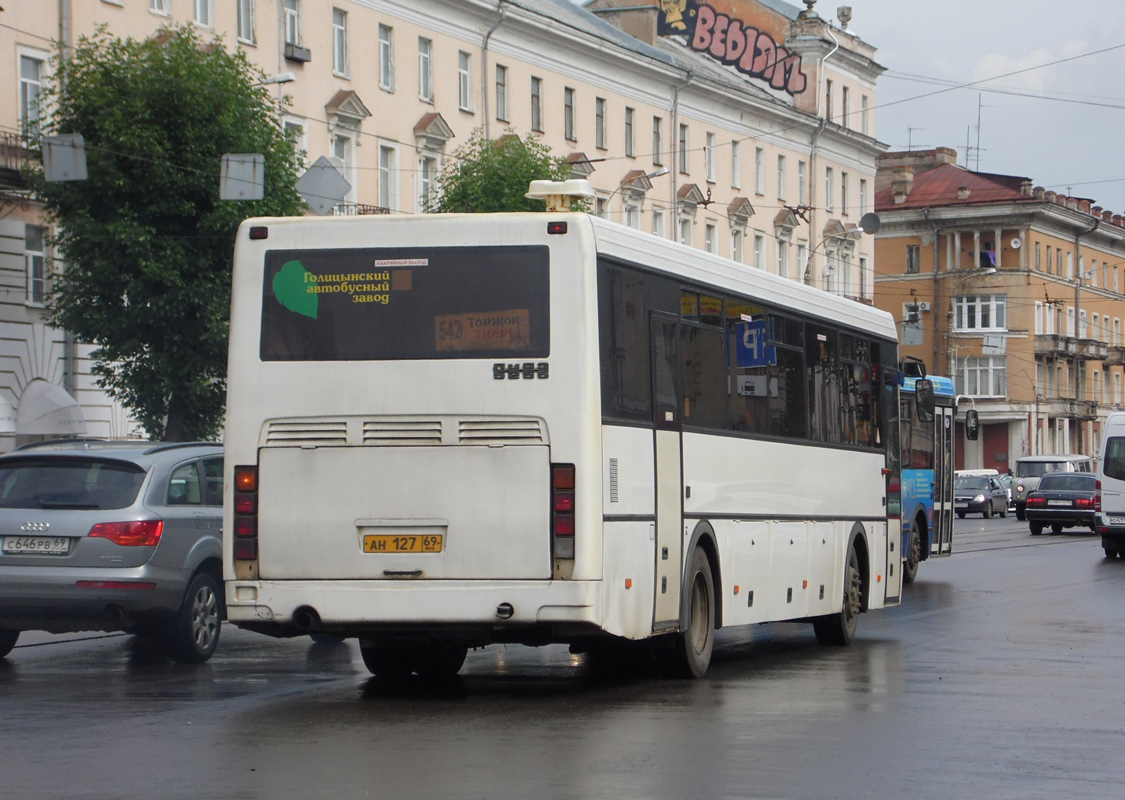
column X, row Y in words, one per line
column 75, row 483
column 1067, row 483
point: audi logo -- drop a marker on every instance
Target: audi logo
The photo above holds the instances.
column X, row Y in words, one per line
column 35, row 527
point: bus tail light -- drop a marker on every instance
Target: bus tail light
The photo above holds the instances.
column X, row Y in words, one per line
column 562, row 509
column 246, row 514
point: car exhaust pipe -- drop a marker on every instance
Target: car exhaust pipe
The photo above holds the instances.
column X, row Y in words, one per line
column 306, row 619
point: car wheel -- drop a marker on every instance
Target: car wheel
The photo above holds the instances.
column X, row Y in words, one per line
column 987, row 513
column 840, row 628
column 1036, row 528
column 1056, row 527
column 1021, row 515
column 1004, row 511
column 690, row 654
column 8, row 639
column 913, row 555
column 960, row 515
column 191, row 638
column 1110, row 552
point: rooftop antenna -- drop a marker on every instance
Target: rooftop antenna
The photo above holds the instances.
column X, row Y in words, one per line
column 910, row 136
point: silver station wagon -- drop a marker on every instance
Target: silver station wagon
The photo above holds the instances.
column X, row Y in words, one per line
column 113, row 536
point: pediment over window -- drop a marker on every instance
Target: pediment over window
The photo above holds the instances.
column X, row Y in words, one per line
column 689, row 195
column 784, row 224
column 346, row 110
column 832, row 229
column 739, row 212
column 635, row 183
column 580, row 166
column 432, row 131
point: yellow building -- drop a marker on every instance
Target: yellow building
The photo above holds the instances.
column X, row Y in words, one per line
column 745, row 127
column 1013, row 291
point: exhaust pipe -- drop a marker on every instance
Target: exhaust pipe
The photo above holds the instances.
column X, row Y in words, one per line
column 306, row 619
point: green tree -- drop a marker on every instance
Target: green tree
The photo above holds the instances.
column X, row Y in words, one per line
column 147, row 244
column 487, row 175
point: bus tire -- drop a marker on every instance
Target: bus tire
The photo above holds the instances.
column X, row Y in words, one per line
column 8, row 638
column 193, row 634
column 839, row 628
column 690, row 654
column 913, row 555
column 441, row 661
column 388, row 661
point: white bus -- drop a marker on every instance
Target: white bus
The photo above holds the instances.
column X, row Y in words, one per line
column 447, row 431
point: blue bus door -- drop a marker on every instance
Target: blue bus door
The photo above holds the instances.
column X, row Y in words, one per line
column 941, row 539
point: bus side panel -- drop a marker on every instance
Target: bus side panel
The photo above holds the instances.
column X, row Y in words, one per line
column 748, row 568
column 826, row 550
column 627, row 472
column 628, row 553
column 789, row 569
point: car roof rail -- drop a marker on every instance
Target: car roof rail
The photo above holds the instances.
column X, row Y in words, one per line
column 53, row 442
column 163, row 446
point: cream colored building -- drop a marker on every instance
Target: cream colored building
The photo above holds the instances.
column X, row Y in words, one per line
column 745, row 127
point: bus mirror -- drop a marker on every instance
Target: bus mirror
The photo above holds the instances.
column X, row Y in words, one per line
column 924, row 389
column 972, row 425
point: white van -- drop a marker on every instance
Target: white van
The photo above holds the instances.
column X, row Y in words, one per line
column 1111, row 486
column 1030, row 469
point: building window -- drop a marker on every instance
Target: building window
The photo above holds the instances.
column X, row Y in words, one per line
column 982, row 377
column 246, row 17
column 160, row 7
column 783, row 258
column 657, row 141
column 913, row 258
column 339, row 42
column 388, row 174
column 863, row 277
column 864, row 126
column 862, row 196
column 425, row 70
column 981, row 312
column 759, row 251
column 735, row 164
column 711, row 238
column 781, row 180
column 630, row 121
column 600, row 123
column 843, row 193
column 501, row 93
column 537, row 105
column 633, row 215
column 829, row 188
column 802, row 183
column 204, row 13
column 387, row 58
column 343, row 147
column 683, row 149
column 293, row 22
column 32, row 71
column 296, row 132
column 736, row 237
column 685, row 230
column 658, row 222
column 709, row 158
column 464, row 81
column 759, row 171
column 845, row 101
column 802, row 258
column 427, row 174
column 828, row 100
column 35, row 258
column 568, row 114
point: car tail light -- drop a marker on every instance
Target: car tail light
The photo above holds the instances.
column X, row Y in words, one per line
column 138, row 533
column 1086, row 502
column 246, row 514
column 562, row 509
column 143, row 585
column 1034, row 501
column 1097, row 495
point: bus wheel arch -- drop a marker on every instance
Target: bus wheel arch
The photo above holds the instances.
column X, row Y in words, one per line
column 703, row 537
column 839, row 627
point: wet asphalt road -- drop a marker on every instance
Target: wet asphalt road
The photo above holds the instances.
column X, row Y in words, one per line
column 1000, row 676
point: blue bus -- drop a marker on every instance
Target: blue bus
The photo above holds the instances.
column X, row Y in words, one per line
column 928, row 406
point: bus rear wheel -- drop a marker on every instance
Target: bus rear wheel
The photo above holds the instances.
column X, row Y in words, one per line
column 840, row 628
column 690, row 654
column 913, row 555
column 438, row 660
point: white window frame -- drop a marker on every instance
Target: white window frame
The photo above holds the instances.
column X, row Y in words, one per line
column 632, row 210
column 203, row 13
column 970, row 309
column 429, row 165
column 339, row 42
column 845, row 101
column 501, row 93
column 802, row 183
column 30, row 117
column 737, row 238
column 709, row 158
column 802, row 258
column 781, row 177
column 247, row 22
column 601, row 123
column 862, row 196
column 759, row 171
column 829, row 189
column 865, row 127
column 782, row 258
column 388, row 176
column 536, row 104
column 630, row 132
column 972, row 371
column 843, row 192
column 292, row 22
column 161, row 7
column 711, row 237
column 36, row 268
column 683, row 145
column 346, row 142
column 735, row 164
column 657, row 141
column 684, row 232
column 386, row 58
column 291, row 124
column 568, row 114
column 464, row 81
column 759, row 251
column 658, row 218
column 425, row 69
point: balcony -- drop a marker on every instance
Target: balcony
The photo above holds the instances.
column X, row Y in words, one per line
column 14, row 154
column 1068, row 407
column 1115, row 354
column 1056, row 345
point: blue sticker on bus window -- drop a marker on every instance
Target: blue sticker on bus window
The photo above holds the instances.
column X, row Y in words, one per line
column 754, row 348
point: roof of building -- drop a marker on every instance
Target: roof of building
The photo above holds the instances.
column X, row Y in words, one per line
column 952, row 185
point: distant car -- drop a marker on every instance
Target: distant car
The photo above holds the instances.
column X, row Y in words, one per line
column 113, row 536
column 1030, row 469
column 1063, row 500
column 979, row 494
column 1006, row 481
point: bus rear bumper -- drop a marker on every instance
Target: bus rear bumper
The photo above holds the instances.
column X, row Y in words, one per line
column 293, row 608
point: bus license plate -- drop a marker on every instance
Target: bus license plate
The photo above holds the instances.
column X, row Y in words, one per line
column 392, row 543
column 49, row 545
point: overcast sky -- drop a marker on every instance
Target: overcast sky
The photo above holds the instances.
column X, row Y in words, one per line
column 1060, row 125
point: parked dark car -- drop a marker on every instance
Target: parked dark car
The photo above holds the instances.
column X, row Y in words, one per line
column 113, row 536
column 1063, row 500
column 979, row 494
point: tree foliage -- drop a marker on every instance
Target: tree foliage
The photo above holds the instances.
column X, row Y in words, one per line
column 488, row 175
column 146, row 241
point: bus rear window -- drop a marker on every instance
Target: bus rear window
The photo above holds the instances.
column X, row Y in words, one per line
column 371, row 304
